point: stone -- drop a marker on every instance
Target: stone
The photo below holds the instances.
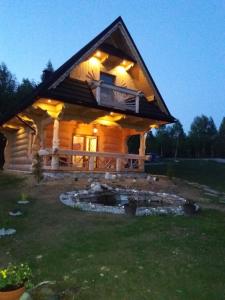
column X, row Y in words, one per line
column 26, row 296
column 8, row 231
column 15, row 213
column 149, row 178
column 191, row 208
column 45, row 291
column 109, row 176
column 23, row 202
column 96, row 187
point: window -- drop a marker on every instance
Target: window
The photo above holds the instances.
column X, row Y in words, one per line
column 107, row 78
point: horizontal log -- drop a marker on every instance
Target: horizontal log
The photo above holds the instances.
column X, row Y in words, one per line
column 96, row 154
column 22, row 141
column 22, row 135
column 19, row 148
column 24, row 167
column 19, row 153
column 21, row 160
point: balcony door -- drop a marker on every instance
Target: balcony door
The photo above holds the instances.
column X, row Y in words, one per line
column 83, row 143
column 107, row 95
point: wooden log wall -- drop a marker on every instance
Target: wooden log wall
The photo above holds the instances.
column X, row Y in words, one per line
column 18, row 152
column 19, row 147
column 110, row 139
column 88, row 71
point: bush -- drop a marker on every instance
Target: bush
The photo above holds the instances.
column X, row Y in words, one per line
column 37, row 167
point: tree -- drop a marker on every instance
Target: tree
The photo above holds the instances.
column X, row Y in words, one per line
column 48, row 70
column 202, row 136
column 221, row 139
column 177, row 136
column 8, row 86
column 164, row 141
column 25, row 88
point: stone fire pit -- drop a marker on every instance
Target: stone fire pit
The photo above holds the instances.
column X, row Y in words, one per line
column 103, row 198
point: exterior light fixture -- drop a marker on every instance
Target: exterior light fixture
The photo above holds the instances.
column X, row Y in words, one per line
column 154, row 126
column 121, row 69
column 95, row 130
column 101, row 56
column 49, row 101
column 126, row 64
column 94, row 61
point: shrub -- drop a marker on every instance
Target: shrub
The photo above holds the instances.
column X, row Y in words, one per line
column 37, row 167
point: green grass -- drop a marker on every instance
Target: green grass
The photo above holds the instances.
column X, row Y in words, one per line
column 140, row 258
column 9, row 180
column 202, row 171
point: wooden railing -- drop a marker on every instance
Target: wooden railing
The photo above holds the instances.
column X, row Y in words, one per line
column 115, row 96
column 92, row 161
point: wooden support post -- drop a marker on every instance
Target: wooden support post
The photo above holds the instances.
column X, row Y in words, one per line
column 98, row 92
column 91, row 163
column 55, row 145
column 142, row 150
column 118, row 164
column 142, row 144
column 137, row 100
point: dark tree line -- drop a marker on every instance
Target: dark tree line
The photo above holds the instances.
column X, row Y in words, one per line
column 12, row 92
column 203, row 139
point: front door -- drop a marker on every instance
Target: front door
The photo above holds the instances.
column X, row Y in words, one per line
column 83, row 143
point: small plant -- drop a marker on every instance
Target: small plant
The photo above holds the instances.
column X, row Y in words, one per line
column 14, row 277
column 37, row 167
column 170, row 171
column 24, row 196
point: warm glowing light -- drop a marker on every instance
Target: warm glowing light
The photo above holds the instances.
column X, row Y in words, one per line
column 52, row 110
column 94, row 61
column 154, row 126
column 49, row 101
column 109, row 120
column 25, row 118
column 98, row 53
column 126, row 64
column 121, row 69
column 95, row 130
column 107, row 123
column 101, row 56
column 10, row 126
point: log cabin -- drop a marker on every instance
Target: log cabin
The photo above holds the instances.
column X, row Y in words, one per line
column 81, row 116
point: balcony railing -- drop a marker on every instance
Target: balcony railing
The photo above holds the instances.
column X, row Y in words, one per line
column 115, row 96
column 92, row 161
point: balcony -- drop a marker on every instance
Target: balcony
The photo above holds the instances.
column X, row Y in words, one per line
column 117, row 97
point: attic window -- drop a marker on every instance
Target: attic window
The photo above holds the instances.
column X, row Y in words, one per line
column 107, row 78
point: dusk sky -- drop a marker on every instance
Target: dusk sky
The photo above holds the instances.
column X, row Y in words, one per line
column 182, row 43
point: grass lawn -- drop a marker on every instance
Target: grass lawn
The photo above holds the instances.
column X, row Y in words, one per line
column 202, row 171
column 113, row 257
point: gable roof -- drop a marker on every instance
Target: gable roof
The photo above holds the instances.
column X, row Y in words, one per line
column 49, row 85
